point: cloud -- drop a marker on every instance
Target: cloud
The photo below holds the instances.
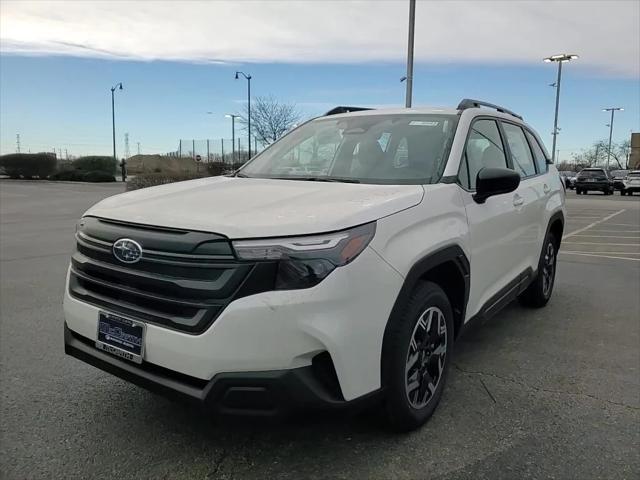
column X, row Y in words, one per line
column 606, row 34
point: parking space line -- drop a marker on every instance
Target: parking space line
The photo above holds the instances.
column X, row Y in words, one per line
column 606, row 243
column 606, row 236
column 605, row 253
column 600, row 256
column 596, row 230
column 624, row 224
column 593, row 224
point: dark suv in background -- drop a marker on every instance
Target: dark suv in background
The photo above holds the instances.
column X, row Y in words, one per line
column 594, row 179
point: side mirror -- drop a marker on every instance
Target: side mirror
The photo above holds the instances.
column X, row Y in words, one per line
column 495, row 181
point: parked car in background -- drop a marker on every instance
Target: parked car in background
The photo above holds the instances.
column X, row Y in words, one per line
column 590, row 179
column 631, row 183
column 617, row 176
column 568, row 178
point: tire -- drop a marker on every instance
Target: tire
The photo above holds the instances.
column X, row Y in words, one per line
column 422, row 334
column 578, row 191
column 540, row 290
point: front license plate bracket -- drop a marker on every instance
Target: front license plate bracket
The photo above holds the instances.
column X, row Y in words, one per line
column 120, row 336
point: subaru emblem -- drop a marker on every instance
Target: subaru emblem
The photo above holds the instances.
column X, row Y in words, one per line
column 127, row 250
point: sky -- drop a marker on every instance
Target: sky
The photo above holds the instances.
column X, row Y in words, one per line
column 177, row 60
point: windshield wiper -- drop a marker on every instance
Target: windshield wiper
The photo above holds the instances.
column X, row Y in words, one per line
column 241, row 175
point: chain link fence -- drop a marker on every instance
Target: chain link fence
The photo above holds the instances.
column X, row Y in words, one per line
column 216, row 150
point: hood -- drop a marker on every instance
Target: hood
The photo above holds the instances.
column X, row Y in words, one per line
column 257, row 207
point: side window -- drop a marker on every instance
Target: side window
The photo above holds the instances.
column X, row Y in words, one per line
column 520, row 152
column 484, row 149
column 538, row 154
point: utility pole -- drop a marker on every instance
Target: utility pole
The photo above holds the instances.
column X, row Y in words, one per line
column 126, row 145
column 138, row 147
column 409, row 77
column 18, row 143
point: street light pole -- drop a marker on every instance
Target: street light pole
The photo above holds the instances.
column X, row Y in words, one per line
column 117, row 86
column 248, row 77
column 233, row 135
column 612, row 110
column 560, row 59
column 409, row 76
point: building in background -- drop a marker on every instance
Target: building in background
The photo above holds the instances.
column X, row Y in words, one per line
column 634, row 155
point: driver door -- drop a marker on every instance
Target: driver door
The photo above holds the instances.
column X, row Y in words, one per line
column 493, row 225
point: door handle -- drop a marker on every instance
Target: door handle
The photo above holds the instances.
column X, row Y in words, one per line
column 546, row 188
column 518, row 200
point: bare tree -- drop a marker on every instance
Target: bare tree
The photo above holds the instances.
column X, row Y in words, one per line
column 596, row 155
column 270, row 119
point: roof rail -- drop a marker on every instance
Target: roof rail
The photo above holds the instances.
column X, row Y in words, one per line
column 337, row 110
column 470, row 103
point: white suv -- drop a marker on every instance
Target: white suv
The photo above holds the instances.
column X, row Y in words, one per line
column 337, row 266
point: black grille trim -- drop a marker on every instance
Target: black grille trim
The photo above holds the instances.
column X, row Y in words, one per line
column 179, row 288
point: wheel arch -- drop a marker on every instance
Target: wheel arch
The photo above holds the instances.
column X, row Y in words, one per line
column 447, row 267
column 556, row 226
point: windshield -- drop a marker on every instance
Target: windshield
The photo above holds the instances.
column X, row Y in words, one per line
column 389, row 149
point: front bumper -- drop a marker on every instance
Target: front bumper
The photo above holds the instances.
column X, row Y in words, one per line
column 345, row 315
column 262, row 393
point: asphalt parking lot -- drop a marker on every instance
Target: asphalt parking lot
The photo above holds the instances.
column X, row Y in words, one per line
column 551, row 393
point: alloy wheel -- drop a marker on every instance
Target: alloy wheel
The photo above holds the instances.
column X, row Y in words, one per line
column 426, row 357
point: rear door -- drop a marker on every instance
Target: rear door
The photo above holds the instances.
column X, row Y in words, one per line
column 529, row 198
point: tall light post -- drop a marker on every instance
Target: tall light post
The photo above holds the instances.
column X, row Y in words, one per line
column 248, row 77
column 233, row 134
column 117, row 86
column 409, row 76
column 612, row 110
column 564, row 57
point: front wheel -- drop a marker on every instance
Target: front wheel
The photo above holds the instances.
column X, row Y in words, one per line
column 539, row 291
column 416, row 356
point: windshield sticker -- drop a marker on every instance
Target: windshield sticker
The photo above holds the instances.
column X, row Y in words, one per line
column 422, row 123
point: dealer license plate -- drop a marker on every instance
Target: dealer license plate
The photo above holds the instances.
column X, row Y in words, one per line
column 121, row 336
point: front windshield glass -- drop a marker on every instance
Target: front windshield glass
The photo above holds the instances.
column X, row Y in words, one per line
column 390, row 149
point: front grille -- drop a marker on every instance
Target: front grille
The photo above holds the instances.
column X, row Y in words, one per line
column 183, row 280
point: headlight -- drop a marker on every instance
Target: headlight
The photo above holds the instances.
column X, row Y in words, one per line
column 305, row 261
